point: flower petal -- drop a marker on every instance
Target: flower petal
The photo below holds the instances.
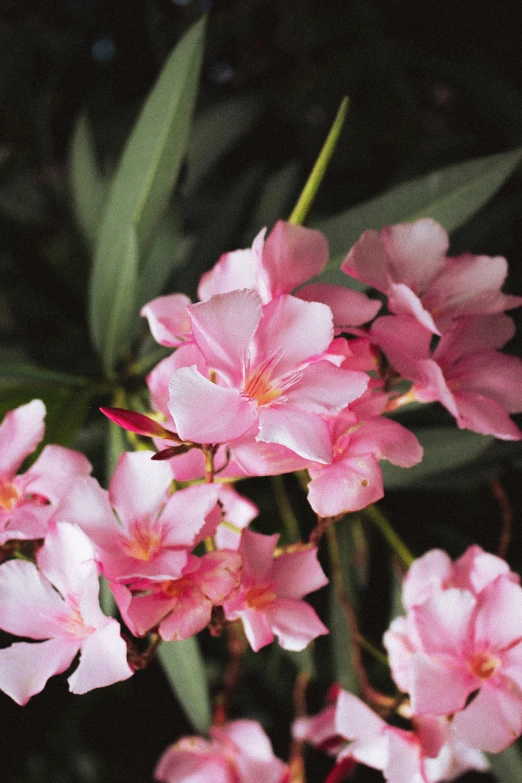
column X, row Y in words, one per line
column 139, row 487
column 349, row 308
column 168, row 319
column 103, row 660
column 25, row 668
column 20, row 433
column 295, row 623
column 207, row 413
column 305, row 433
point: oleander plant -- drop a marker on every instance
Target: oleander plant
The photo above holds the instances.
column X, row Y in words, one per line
column 207, row 521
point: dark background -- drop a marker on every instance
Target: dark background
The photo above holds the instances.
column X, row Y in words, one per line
column 430, row 84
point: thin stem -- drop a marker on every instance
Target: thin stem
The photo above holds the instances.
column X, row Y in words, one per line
column 285, row 509
column 343, row 597
column 297, row 765
column 393, row 540
column 313, row 182
column 236, row 647
column 208, row 456
column 507, row 516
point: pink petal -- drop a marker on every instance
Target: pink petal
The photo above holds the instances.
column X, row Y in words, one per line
column 139, row 488
column 499, row 617
column 168, row 319
column 55, row 470
column 404, row 302
column 492, row 721
column 416, row 252
column 474, row 335
column 233, row 271
column 292, row 255
column 256, row 626
column 302, row 432
column 25, row 668
column 198, row 762
column 255, row 760
column 367, row 261
column 443, row 622
column 185, row 514
column 205, row 412
column 257, row 551
column 324, row 388
column 349, row 308
column 404, row 341
column 218, row 575
column 346, row 485
column 490, row 374
column 293, row 329
column 159, row 378
column 432, row 385
column 295, row 574
column 387, row 439
column 239, row 512
column 190, row 614
column 103, row 660
column 354, row 720
column 256, row 458
column 436, row 689
column 485, row 416
column 295, row 623
column 87, row 505
column 223, row 328
column 28, row 603
column 21, row 431
column 427, row 575
column 141, row 613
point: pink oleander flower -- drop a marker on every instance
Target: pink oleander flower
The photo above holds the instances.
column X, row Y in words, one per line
column 237, row 752
column 238, row 513
column 353, row 480
column 289, row 258
column 180, row 607
column 28, row 500
column 271, row 378
column 56, row 603
column 156, row 531
column 408, row 263
column 268, row 600
column 466, row 373
column 426, row 754
column 458, row 650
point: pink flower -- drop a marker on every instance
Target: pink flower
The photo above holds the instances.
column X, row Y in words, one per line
column 58, row 602
column 459, row 641
column 270, row 375
column 180, row 607
column 268, row 600
column 156, row 531
column 427, row 754
column 290, row 256
column 353, row 480
column 465, row 372
column 408, row 262
column 28, row 500
column 238, row 752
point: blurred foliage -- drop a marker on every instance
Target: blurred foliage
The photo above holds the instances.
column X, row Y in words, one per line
column 430, row 85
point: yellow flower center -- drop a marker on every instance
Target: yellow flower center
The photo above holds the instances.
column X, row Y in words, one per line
column 9, row 495
column 144, row 541
column 260, row 596
column 484, row 665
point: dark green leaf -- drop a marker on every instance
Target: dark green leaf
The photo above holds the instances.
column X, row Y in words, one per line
column 141, row 187
column 444, row 449
column 507, row 766
column 451, row 195
column 87, row 186
column 27, row 372
column 184, row 668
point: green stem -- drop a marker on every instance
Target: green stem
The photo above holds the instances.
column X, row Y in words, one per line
column 285, row 509
column 392, row 539
column 309, row 191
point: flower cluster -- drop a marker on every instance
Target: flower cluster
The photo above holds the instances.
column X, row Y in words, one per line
column 273, row 372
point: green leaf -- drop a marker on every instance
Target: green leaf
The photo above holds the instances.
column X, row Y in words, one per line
column 451, row 195
column 117, row 328
column 141, row 187
column 214, row 133
column 341, row 642
column 306, row 199
column 87, row 186
column 276, row 195
column 506, row 766
column 33, row 374
column 184, row 668
column 445, row 449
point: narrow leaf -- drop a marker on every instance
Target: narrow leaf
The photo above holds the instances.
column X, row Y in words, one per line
column 506, row 766
column 33, row 374
column 309, row 193
column 87, row 185
column 444, row 449
column 117, row 332
column 450, row 195
column 141, row 187
column 183, row 666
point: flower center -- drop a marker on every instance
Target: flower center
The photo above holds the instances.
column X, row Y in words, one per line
column 260, row 596
column 73, row 623
column 259, row 386
column 484, row 665
column 9, row 495
column 176, row 587
column 144, row 540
